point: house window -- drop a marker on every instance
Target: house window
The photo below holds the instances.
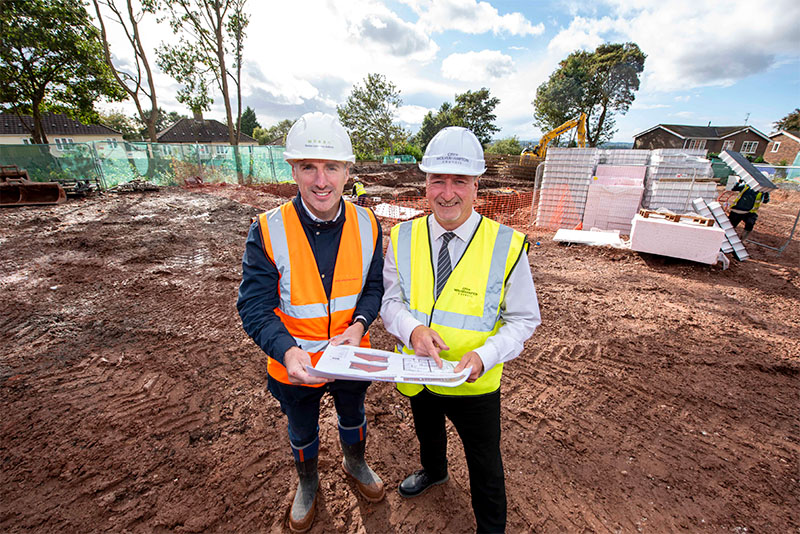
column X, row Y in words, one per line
column 202, row 149
column 222, row 150
column 695, row 143
column 749, row 147
column 111, row 142
column 727, row 145
column 62, row 142
column 776, row 146
column 28, row 141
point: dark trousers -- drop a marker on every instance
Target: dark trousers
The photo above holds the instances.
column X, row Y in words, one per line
column 301, row 406
column 748, row 218
column 477, row 421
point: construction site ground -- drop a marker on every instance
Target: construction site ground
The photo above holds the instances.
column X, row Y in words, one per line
column 658, row 395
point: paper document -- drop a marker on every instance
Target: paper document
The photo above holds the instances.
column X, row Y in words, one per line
column 357, row 363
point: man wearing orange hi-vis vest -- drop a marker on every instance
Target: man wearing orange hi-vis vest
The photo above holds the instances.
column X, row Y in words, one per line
column 312, row 275
column 458, row 286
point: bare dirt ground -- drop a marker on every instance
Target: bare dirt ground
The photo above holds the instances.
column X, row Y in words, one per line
column 658, row 395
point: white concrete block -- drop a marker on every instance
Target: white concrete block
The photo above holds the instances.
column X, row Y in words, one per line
column 688, row 241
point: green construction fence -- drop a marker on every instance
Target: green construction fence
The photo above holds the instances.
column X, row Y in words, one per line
column 109, row 163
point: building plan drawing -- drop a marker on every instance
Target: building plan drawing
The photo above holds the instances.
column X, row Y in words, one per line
column 356, row 363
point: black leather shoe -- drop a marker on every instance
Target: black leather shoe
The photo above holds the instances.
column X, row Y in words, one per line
column 418, row 482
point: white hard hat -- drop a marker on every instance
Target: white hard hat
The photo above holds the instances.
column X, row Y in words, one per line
column 318, row 136
column 454, row 150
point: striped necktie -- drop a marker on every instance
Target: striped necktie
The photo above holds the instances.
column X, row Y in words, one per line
column 443, row 266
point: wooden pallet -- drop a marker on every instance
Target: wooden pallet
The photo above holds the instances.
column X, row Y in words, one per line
column 674, row 217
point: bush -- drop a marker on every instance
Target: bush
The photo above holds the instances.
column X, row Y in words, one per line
column 505, row 146
column 406, row 149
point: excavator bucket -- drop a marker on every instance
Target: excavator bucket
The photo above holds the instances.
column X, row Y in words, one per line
column 17, row 190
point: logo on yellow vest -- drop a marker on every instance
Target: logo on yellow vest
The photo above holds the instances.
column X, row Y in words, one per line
column 466, row 292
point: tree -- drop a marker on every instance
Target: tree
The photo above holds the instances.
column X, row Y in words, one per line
column 431, row 124
column 369, row 115
column 206, row 27
column 505, row 146
column 51, row 61
column 474, row 111
column 249, row 122
column 139, row 78
column 597, row 83
column 790, row 122
column 268, row 135
column 117, row 120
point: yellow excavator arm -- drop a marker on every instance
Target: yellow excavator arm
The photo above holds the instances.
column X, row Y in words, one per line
column 540, row 150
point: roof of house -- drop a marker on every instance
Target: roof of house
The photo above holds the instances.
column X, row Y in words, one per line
column 685, row 131
column 198, row 131
column 53, row 124
column 795, row 134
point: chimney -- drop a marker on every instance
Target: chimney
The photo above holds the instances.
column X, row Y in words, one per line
column 198, row 114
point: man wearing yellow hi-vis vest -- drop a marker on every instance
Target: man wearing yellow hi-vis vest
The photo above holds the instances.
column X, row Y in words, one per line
column 458, row 286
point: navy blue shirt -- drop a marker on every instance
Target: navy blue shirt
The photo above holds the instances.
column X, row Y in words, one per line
column 258, row 292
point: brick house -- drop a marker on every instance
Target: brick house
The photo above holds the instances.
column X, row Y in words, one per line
column 783, row 146
column 743, row 139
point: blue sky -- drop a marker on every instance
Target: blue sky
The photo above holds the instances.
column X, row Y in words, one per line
column 708, row 61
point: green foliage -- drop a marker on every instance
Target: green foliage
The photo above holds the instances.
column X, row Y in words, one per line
column 472, row 110
column 249, row 121
column 369, row 114
column 505, row 146
column 51, row 59
column 192, row 70
column 790, row 122
column 407, row 148
column 431, row 124
column 598, row 83
column 759, row 159
column 117, row 120
column 276, row 131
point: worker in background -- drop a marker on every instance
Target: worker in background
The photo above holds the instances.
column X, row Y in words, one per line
column 458, row 286
column 745, row 207
column 312, row 271
column 359, row 191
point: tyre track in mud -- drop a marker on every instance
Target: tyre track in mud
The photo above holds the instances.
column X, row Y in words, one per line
column 651, row 399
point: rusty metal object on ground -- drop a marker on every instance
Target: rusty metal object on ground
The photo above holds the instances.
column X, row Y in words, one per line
column 16, row 189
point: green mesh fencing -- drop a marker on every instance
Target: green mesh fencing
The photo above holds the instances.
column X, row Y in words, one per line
column 109, row 163
column 399, row 159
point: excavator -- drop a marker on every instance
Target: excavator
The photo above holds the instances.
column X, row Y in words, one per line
column 540, row 150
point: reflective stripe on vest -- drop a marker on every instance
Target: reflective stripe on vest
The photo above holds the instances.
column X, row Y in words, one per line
column 304, row 307
column 467, row 312
column 756, row 203
column 360, row 189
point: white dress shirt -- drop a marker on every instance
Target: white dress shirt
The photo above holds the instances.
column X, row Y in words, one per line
column 519, row 309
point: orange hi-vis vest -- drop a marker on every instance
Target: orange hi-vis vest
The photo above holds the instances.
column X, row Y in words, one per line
column 304, row 307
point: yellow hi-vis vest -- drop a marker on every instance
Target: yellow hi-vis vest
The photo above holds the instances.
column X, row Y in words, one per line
column 360, row 189
column 467, row 312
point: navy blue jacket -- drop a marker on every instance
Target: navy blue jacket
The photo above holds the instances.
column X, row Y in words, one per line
column 258, row 292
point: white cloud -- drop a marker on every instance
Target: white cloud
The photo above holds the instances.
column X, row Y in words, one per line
column 690, row 47
column 471, row 16
column 641, row 106
column 477, row 66
column 684, row 98
column 394, row 35
column 412, row 114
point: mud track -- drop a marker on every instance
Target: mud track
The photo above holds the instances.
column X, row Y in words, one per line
column 658, row 395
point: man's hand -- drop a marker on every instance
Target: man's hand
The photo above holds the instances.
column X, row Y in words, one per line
column 351, row 336
column 426, row 342
column 295, row 360
column 470, row 359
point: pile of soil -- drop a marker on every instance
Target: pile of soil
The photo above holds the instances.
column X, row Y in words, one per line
column 658, row 395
